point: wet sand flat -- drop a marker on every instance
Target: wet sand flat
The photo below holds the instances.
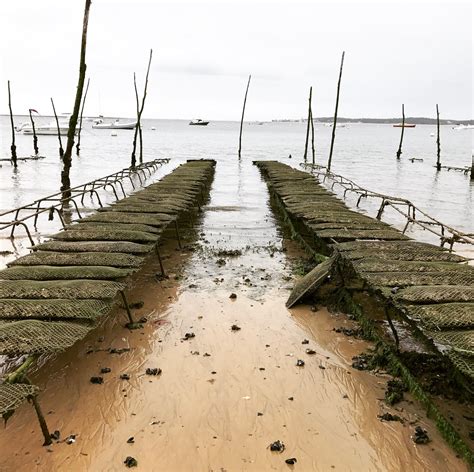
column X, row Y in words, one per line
column 223, row 395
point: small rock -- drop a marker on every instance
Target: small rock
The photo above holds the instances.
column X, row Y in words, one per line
column 124, row 377
column 188, row 336
column 389, row 417
column 114, row 350
column 232, row 296
column 130, row 462
column 310, row 351
column 206, row 354
column 277, row 446
column 360, row 362
column 305, row 341
column 420, row 436
column 71, row 439
column 97, row 380
column 137, row 305
column 300, row 363
column 195, row 353
column 234, row 327
column 314, row 308
column 291, row 461
column 55, row 435
column 153, row 371
column 395, row 290
column 130, row 440
column 291, row 398
column 105, row 370
column 259, row 414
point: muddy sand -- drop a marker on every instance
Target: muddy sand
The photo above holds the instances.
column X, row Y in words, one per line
column 229, row 384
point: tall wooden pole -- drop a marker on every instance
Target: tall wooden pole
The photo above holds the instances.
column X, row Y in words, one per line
column 399, row 152
column 78, row 145
column 67, row 158
column 35, row 138
column 243, row 114
column 138, row 132
column 308, row 125
column 438, row 143
column 13, row 146
column 312, row 134
column 61, row 150
column 335, row 113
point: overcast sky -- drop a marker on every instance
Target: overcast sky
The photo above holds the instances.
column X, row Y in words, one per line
column 416, row 52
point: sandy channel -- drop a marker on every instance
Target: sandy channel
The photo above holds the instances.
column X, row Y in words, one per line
column 223, row 395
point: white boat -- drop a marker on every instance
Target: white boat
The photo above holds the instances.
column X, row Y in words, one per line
column 198, row 122
column 50, row 129
column 463, row 127
column 100, row 124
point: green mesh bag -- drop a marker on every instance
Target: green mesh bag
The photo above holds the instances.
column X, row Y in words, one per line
column 443, row 316
column 55, row 309
column 78, row 259
column 13, row 395
column 63, row 273
column 73, row 289
column 38, row 337
column 95, row 246
column 103, row 235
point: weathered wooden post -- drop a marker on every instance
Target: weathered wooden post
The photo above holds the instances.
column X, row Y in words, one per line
column 472, row 167
column 399, row 152
column 67, row 158
column 35, row 138
column 242, row 118
column 335, row 113
column 312, row 135
column 13, row 146
column 308, row 124
column 61, row 150
column 438, row 144
column 78, row 145
column 138, row 129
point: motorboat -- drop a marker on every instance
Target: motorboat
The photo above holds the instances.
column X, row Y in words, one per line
column 50, row 129
column 117, row 124
column 406, row 125
column 198, row 122
column 463, row 127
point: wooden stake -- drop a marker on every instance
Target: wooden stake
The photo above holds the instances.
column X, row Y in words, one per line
column 438, row 143
column 472, row 167
column 312, row 134
column 308, row 125
column 61, row 150
column 138, row 131
column 35, row 138
column 67, row 159
column 141, row 143
column 335, row 113
column 78, row 145
column 243, row 114
column 42, row 421
column 13, row 146
column 399, row 152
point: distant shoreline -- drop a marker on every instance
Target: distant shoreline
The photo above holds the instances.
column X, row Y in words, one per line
column 387, row 121
column 323, row 119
